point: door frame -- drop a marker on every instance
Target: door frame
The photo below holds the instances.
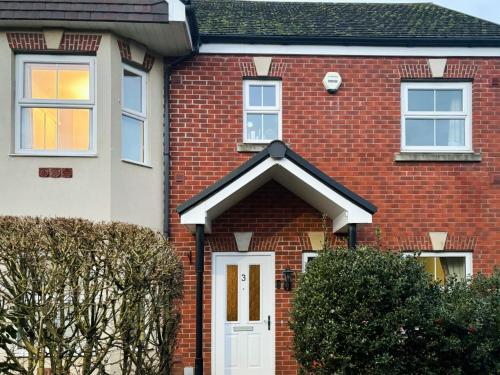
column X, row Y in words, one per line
column 216, row 255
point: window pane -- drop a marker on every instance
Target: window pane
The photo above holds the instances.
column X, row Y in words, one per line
column 49, row 129
column 452, row 266
column 450, row 132
column 132, row 91
column 41, row 81
column 232, row 293
column 449, row 100
column 429, row 265
column 419, row 132
column 269, row 96
column 39, row 129
column 421, row 100
column 254, row 126
column 57, row 81
column 270, row 126
column 74, row 129
column 74, row 82
column 254, row 293
column 132, row 139
column 255, row 95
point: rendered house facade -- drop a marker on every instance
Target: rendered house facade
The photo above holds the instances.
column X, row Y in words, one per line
column 211, row 121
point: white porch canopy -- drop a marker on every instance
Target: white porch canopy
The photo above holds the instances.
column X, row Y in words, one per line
column 278, row 162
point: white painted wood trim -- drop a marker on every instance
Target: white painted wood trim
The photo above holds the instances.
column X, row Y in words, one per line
column 319, row 50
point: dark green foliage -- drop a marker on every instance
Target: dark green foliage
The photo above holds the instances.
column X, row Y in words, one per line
column 373, row 312
column 471, row 326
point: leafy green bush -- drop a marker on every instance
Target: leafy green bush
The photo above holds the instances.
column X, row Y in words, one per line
column 372, row 312
column 83, row 296
column 364, row 312
column 470, row 326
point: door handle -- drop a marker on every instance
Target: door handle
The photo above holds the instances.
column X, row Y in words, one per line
column 269, row 322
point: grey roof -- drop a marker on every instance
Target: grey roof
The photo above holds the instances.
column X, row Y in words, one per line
column 341, row 23
column 146, row 11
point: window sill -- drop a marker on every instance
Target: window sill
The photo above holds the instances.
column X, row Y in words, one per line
column 53, row 155
column 438, row 156
column 139, row 164
column 251, row 147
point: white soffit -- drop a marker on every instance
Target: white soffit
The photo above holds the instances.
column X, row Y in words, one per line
column 281, row 49
column 288, row 174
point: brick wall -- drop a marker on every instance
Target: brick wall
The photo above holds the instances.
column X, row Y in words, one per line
column 351, row 136
column 70, row 42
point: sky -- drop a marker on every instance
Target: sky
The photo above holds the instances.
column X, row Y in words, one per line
column 485, row 9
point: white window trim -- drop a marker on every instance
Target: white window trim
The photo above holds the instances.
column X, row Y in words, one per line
column 266, row 110
column 305, row 256
column 466, row 115
column 447, row 254
column 21, row 102
column 141, row 116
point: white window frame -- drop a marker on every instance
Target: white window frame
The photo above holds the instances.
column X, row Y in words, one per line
column 465, row 115
column 447, row 254
column 248, row 109
column 141, row 116
column 22, row 102
column 306, row 255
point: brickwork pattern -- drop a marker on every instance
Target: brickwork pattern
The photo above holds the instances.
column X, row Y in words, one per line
column 126, row 55
column 352, row 136
column 70, row 42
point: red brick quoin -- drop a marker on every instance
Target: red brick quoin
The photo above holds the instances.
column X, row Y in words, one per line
column 351, row 136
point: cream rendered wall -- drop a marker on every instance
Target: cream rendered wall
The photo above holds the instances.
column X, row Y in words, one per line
column 102, row 187
column 137, row 190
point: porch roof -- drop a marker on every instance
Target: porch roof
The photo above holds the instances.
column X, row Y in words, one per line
column 278, row 162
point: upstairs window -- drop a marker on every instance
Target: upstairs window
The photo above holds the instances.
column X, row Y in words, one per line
column 55, row 105
column 134, row 116
column 262, row 111
column 436, row 116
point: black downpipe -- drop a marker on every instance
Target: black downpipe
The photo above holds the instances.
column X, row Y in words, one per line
column 167, row 72
column 200, row 263
column 352, row 237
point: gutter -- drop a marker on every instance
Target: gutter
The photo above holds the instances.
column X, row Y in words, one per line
column 168, row 67
column 352, row 41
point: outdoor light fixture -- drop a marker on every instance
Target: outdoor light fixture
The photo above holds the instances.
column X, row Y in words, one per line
column 287, row 282
column 332, row 82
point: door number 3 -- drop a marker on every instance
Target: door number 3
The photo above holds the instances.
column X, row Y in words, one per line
column 243, row 277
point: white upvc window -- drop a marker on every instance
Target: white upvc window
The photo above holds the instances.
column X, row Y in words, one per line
column 444, row 264
column 307, row 257
column 55, row 105
column 262, row 111
column 436, row 116
column 134, row 128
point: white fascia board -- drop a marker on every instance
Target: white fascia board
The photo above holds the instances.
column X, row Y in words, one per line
column 176, row 11
column 355, row 214
column 280, row 49
column 200, row 214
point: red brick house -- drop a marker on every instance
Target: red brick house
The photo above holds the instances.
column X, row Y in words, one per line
column 252, row 133
column 264, row 143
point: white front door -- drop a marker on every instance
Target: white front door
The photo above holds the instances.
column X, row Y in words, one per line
column 243, row 314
